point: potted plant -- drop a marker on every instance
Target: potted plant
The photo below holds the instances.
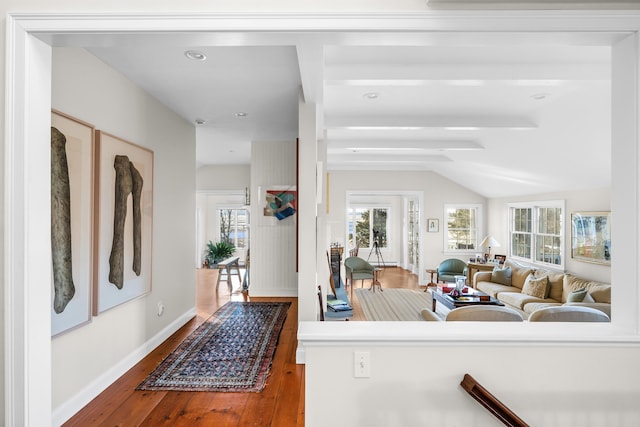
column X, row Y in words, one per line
column 216, row 252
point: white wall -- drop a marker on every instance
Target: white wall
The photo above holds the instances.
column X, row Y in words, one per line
column 223, row 177
column 595, row 200
column 436, row 190
column 89, row 90
column 417, row 384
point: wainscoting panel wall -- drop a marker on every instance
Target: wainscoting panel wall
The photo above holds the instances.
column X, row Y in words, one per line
column 273, row 241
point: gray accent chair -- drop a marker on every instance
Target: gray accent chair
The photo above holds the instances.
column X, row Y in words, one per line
column 450, row 268
column 357, row 268
column 484, row 313
column 476, row 313
column 568, row 313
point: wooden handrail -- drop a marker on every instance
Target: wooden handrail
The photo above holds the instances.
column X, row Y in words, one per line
column 491, row 403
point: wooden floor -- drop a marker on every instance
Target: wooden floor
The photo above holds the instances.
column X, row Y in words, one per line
column 281, row 403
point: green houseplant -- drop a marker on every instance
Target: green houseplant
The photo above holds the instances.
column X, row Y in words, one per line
column 216, row 252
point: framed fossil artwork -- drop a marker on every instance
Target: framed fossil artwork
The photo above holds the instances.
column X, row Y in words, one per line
column 72, row 150
column 124, row 228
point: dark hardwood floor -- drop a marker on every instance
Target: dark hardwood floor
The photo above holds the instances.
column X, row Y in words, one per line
column 281, row 403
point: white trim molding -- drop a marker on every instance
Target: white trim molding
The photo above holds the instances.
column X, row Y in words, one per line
column 73, row 405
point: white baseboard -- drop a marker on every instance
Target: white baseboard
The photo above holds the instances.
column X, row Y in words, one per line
column 69, row 408
column 274, row 292
column 300, row 355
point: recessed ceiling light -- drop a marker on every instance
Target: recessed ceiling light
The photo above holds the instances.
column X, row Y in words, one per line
column 241, row 114
column 195, row 55
column 200, row 122
column 540, row 96
column 371, row 95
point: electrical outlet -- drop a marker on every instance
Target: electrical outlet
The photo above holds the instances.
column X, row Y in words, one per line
column 160, row 308
column 361, row 364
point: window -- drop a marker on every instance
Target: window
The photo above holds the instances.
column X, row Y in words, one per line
column 367, row 225
column 536, row 232
column 234, row 226
column 461, row 227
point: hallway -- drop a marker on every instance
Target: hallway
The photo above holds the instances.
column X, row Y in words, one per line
column 281, row 403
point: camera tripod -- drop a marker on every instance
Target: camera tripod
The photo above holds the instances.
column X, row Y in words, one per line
column 376, row 249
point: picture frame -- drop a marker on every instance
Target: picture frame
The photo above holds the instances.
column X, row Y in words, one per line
column 433, row 225
column 79, row 145
column 123, row 251
column 501, row 258
column 280, row 201
column 591, row 237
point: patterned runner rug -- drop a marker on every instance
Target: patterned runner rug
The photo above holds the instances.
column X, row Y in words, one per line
column 231, row 351
column 393, row 304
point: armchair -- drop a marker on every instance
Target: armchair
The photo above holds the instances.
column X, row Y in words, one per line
column 484, row 313
column 449, row 268
column 357, row 268
column 476, row 313
column 571, row 313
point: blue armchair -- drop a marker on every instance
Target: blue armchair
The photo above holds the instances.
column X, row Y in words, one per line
column 449, row 268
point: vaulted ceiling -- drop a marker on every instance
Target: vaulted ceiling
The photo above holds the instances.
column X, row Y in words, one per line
column 499, row 113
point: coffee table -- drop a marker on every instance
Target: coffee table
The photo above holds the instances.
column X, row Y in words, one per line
column 473, row 297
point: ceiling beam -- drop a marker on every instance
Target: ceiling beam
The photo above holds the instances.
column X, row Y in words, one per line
column 421, row 122
column 409, row 145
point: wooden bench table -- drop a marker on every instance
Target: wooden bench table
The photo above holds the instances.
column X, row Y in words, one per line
column 226, row 268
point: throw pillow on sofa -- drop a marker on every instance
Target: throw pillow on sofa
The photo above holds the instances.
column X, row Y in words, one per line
column 600, row 292
column 501, row 275
column 581, row 295
column 538, row 288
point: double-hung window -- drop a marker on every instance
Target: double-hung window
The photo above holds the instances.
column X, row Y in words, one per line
column 367, row 226
column 536, row 232
column 462, row 227
column 234, row 226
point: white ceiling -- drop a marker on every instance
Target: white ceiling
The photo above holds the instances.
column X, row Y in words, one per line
column 462, row 105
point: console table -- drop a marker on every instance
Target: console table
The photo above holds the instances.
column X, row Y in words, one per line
column 474, row 267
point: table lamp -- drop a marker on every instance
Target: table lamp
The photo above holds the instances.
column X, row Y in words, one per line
column 488, row 242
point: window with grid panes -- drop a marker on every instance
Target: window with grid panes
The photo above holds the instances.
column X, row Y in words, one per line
column 234, row 226
column 536, row 232
column 461, row 227
column 367, row 225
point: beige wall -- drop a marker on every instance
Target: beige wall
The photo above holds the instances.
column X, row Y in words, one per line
column 86, row 88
